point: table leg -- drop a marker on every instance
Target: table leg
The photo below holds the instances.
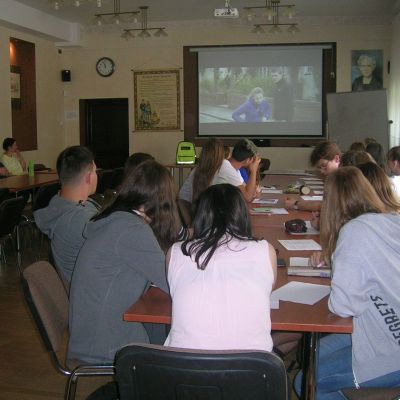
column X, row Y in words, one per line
column 310, row 358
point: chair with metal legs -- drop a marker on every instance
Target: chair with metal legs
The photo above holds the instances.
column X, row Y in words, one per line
column 10, row 216
column 48, row 303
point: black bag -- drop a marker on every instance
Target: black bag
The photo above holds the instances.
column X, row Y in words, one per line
column 295, row 226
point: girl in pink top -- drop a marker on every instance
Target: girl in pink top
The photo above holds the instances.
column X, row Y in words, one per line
column 221, row 279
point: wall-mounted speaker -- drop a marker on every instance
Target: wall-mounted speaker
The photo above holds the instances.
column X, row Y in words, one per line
column 66, row 75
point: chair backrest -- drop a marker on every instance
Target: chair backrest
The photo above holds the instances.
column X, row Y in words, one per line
column 117, row 177
column 44, row 195
column 48, row 303
column 105, row 180
column 10, row 214
column 155, row 372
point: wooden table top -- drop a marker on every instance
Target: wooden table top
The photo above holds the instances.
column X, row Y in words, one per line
column 155, row 305
column 23, row 182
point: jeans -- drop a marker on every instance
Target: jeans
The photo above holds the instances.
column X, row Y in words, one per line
column 334, row 370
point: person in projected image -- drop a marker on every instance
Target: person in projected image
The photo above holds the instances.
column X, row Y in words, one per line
column 283, row 96
column 254, row 109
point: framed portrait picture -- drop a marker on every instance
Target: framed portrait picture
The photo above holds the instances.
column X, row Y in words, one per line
column 15, row 82
column 366, row 70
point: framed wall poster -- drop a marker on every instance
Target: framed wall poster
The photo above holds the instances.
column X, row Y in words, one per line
column 15, row 82
column 157, row 100
column 366, row 70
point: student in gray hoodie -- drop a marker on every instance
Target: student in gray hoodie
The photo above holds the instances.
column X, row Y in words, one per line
column 64, row 219
column 359, row 238
column 123, row 253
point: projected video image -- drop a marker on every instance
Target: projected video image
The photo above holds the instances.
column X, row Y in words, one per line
column 259, row 94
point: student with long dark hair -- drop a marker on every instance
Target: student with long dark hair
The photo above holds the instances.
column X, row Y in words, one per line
column 221, row 279
column 359, row 238
column 122, row 254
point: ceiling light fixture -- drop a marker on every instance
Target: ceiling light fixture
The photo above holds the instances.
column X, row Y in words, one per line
column 271, row 10
column 144, row 29
column 77, row 3
column 116, row 17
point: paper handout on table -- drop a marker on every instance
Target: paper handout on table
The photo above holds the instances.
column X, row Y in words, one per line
column 312, row 179
column 312, row 198
column 300, row 292
column 268, row 210
column 300, row 244
column 316, row 182
column 317, row 187
column 265, row 201
column 300, row 266
column 271, row 191
column 310, row 230
column 318, row 192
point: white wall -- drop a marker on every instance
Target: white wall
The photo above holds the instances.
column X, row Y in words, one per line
column 349, row 33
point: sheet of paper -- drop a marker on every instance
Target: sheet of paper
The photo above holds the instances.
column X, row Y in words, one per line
column 312, row 179
column 268, row 187
column 271, row 191
column 300, row 244
column 308, row 183
column 312, row 198
column 265, row 201
column 310, row 230
column 318, row 191
column 300, row 292
column 279, row 211
column 299, row 261
column 318, row 187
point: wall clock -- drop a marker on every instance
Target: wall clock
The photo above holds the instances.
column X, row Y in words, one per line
column 105, row 66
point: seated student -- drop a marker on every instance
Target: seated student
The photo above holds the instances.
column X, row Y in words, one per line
column 355, row 157
column 381, row 183
column 393, row 161
column 68, row 212
column 123, row 253
column 221, row 279
column 360, row 242
column 326, row 158
column 134, row 160
column 377, row 153
column 244, row 154
column 357, row 146
column 202, row 175
column 12, row 158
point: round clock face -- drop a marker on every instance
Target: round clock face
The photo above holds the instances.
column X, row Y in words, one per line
column 105, row 66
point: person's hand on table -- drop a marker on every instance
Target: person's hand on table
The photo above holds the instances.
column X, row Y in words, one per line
column 291, row 203
column 316, row 260
column 315, row 219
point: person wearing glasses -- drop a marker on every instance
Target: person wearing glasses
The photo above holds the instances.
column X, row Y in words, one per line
column 367, row 80
column 325, row 158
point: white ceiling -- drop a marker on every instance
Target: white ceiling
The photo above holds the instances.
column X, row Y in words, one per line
column 172, row 10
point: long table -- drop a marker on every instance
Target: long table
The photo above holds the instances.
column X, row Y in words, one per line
column 155, row 306
column 19, row 183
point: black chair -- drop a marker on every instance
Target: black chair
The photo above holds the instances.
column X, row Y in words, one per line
column 10, row 216
column 48, row 303
column 44, row 194
column 118, row 177
column 105, row 180
column 150, row 372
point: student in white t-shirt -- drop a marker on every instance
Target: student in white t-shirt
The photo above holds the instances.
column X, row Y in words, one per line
column 393, row 158
column 244, row 154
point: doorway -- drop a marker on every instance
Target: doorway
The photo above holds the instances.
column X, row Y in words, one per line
column 104, row 128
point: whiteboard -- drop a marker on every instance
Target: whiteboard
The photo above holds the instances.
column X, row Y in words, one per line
column 354, row 116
